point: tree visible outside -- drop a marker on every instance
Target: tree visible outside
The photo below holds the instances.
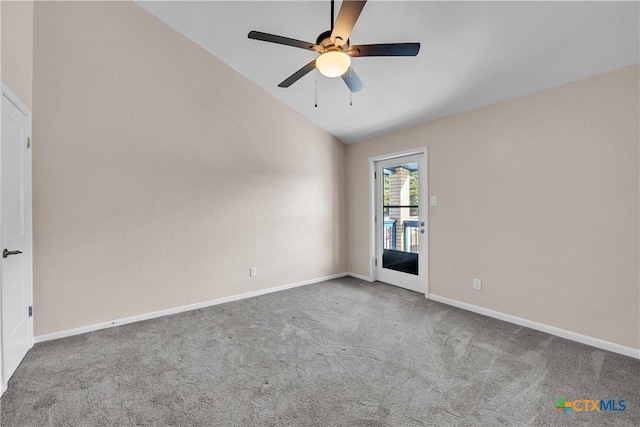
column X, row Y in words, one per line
column 413, row 192
column 385, row 185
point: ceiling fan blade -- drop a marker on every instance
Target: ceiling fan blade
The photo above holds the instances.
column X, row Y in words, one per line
column 347, row 17
column 385, row 49
column 298, row 74
column 352, row 80
column 272, row 38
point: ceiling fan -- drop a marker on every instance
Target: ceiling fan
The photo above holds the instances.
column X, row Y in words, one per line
column 335, row 50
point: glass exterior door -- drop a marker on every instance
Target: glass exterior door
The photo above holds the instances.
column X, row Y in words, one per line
column 400, row 220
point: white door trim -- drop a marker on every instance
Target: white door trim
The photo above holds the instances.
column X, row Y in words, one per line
column 13, row 98
column 373, row 274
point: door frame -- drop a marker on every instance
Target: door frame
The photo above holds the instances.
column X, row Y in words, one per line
column 15, row 100
column 424, row 150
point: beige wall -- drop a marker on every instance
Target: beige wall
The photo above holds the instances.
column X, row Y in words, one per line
column 161, row 175
column 17, row 48
column 538, row 196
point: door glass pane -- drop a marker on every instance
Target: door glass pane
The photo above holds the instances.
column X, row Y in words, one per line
column 400, row 211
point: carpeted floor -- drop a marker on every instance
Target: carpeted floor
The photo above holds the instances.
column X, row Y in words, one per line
column 342, row 352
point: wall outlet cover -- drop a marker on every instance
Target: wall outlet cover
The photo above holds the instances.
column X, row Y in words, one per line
column 477, row 284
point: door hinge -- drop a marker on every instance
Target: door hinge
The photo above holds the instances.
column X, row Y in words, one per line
column 28, row 142
column 30, row 311
column 375, row 219
column 375, row 262
column 375, row 175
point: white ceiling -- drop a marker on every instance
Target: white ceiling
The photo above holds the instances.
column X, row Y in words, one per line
column 472, row 53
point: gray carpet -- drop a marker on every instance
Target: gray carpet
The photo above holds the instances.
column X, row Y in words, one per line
column 342, row 352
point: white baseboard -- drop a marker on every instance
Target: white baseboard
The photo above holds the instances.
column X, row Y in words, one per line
column 584, row 339
column 563, row 333
column 360, row 276
column 175, row 310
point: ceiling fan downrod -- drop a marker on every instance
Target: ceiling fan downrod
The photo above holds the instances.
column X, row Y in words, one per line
column 332, row 6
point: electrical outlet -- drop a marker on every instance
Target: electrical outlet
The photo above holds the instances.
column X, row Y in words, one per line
column 253, row 271
column 477, row 284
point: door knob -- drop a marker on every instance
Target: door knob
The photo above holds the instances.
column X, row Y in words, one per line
column 6, row 253
column 422, row 230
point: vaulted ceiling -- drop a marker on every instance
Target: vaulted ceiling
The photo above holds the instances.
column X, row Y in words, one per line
column 472, row 53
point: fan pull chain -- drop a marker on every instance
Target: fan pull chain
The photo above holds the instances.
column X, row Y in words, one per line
column 316, row 86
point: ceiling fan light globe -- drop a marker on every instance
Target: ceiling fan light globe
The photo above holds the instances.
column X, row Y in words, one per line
column 333, row 64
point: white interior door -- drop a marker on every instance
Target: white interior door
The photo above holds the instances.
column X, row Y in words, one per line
column 401, row 219
column 14, row 238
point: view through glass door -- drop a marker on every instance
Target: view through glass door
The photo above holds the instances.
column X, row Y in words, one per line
column 401, row 222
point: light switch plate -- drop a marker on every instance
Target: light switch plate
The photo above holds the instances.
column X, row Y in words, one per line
column 433, row 201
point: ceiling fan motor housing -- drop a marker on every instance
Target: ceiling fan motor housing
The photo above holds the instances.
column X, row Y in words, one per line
column 324, row 41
